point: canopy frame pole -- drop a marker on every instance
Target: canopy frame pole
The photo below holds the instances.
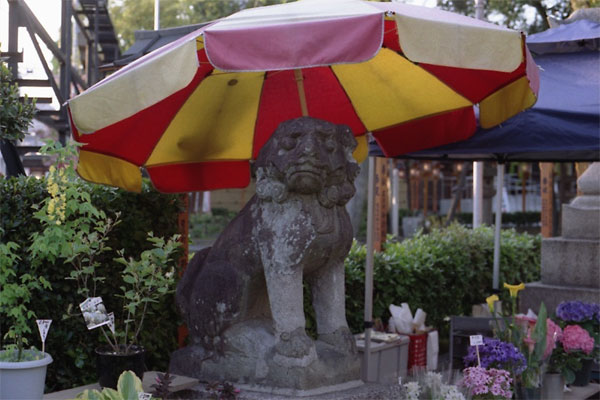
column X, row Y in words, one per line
column 368, row 324
column 395, row 198
column 477, row 193
column 499, row 191
column 301, row 92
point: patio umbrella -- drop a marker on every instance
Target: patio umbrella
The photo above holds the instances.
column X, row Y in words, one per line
column 195, row 112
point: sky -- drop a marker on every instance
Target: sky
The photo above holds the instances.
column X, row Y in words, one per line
column 48, row 13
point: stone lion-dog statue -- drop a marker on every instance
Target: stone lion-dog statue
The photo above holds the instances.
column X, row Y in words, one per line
column 242, row 298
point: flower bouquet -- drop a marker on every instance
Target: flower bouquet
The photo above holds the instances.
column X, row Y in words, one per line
column 495, row 353
column 526, row 332
column 487, row 383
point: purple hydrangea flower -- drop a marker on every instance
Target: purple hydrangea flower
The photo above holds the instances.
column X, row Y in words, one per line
column 497, row 354
column 578, row 311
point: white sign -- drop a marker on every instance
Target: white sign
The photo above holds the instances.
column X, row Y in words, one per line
column 94, row 312
column 43, row 327
column 111, row 322
column 476, row 340
column 144, row 396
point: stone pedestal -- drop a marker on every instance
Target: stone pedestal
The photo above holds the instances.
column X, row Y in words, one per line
column 571, row 263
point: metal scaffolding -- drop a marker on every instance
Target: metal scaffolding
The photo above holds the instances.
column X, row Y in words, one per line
column 96, row 42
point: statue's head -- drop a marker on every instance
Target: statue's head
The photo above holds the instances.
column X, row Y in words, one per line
column 308, row 156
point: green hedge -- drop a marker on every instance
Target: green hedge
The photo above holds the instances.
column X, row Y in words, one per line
column 444, row 272
column 516, row 219
column 69, row 341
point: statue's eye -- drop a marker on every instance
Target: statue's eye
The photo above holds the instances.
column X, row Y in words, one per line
column 288, row 143
column 330, row 145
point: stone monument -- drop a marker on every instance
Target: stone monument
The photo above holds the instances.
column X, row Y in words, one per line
column 571, row 263
column 242, row 299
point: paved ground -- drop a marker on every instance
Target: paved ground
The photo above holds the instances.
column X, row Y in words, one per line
column 367, row 391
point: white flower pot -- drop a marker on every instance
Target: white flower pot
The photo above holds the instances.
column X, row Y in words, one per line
column 23, row 380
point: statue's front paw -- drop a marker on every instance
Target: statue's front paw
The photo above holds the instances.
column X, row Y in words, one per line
column 295, row 349
column 341, row 339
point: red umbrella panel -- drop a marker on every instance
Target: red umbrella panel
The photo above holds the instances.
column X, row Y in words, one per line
column 195, row 112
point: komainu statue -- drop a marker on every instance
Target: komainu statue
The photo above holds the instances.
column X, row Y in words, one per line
column 242, row 299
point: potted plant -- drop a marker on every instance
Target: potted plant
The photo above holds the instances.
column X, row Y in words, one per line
column 575, row 347
column 586, row 316
column 74, row 230
column 145, row 281
column 22, row 370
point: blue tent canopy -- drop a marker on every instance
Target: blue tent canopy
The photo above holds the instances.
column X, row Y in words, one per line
column 564, row 124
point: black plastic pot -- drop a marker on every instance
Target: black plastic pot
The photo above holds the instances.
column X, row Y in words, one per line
column 110, row 365
column 584, row 375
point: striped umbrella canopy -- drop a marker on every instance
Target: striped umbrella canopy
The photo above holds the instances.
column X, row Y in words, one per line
column 196, row 112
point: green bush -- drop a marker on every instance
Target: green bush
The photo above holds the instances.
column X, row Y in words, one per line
column 513, row 219
column 69, row 341
column 209, row 226
column 444, row 272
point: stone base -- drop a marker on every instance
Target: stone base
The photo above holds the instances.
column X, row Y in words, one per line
column 570, row 262
column 581, row 222
column 250, row 361
column 553, row 295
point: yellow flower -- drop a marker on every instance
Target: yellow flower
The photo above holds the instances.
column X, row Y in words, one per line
column 52, row 169
column 490, row 302
column 53, row 189
column 514, row 289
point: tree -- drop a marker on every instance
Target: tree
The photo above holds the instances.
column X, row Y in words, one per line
column 15, row 118
column 131, row 15
column 527, row 15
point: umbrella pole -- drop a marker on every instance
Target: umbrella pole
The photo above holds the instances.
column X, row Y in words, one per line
column 368, row 324
column 499, row 189
column 301, row 93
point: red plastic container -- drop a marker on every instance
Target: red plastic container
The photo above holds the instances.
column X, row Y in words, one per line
column 417, row 351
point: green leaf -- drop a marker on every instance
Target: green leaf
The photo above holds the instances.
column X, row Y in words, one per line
column 111, row 394
column 129, row 385
column 90, row 395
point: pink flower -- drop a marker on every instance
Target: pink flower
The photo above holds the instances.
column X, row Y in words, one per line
column 553, row 335
column 525, row 321
column 576, row 338
column 480, row 381
column 529, row 342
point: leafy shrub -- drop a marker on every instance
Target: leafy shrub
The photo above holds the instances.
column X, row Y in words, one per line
column 444, row 272
column 209, row 226
column 69, row 340
column 512, row 219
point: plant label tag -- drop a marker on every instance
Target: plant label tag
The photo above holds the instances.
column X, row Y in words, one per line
column 43, row 327
column 111, row 322
column 94, row 312
column 476, row 340
column 144, row 396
